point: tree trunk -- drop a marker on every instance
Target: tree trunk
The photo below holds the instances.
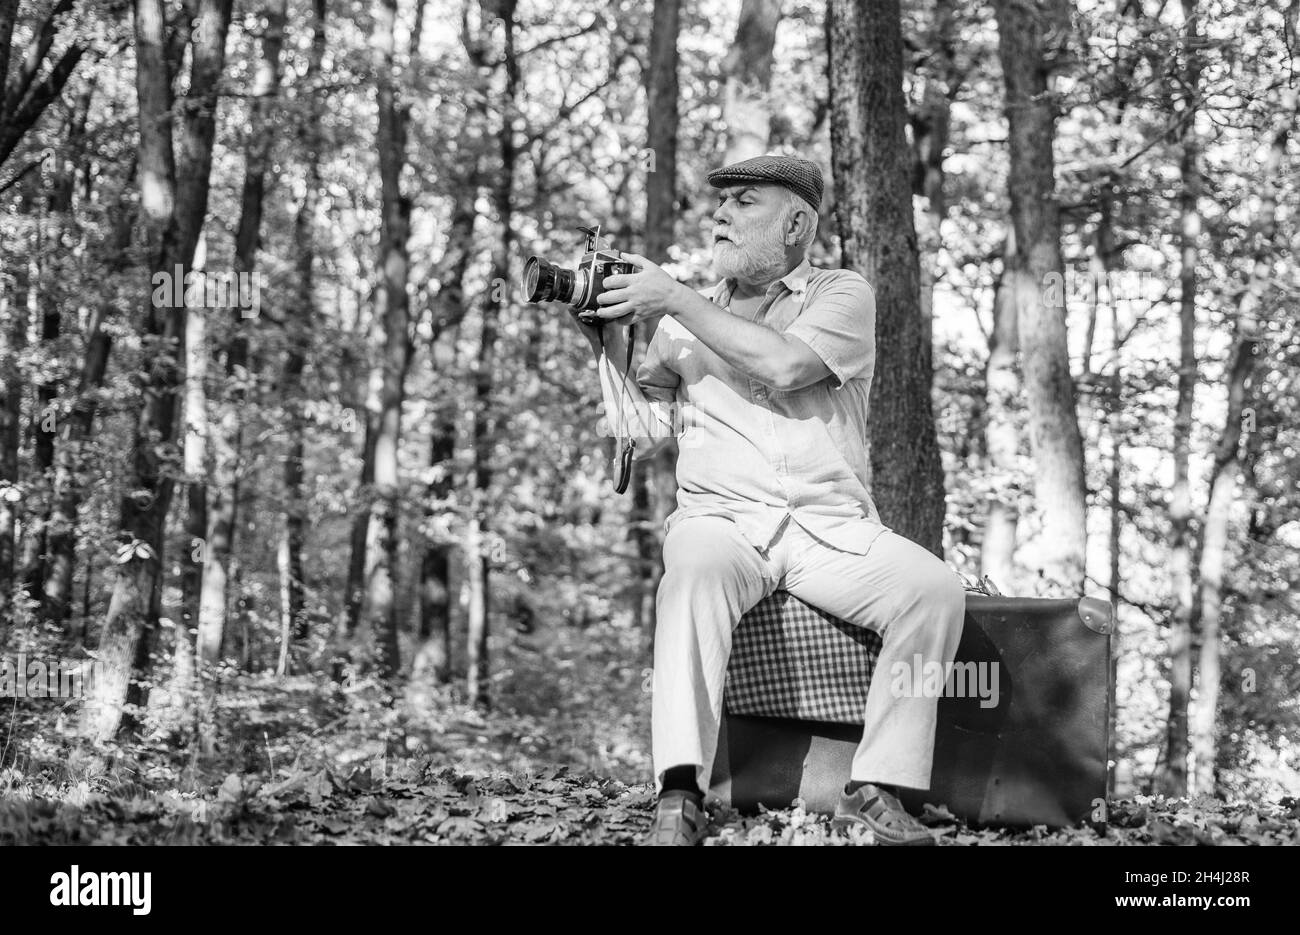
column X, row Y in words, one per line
column 360, row 534
column 485, row 417
column 44, row 421
column 930, row 123
column 872, row 165
column 76, row 426
column 286, row 617
column 661, row 86
column 45, row 417
column 298, row 334
column 227, row 434
column 747, row 108
column 1025, row 28
column 1002, row 436
column 194, row 551
column 393, row 314
column 1115, row 529
column 13, row 339
column 174, row 197
column 1173, row 781
column 657, row 474
column 1108, row 258
column 1227, row 461
column 435, row 566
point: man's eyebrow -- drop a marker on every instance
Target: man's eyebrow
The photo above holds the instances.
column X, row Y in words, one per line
column 737, row 191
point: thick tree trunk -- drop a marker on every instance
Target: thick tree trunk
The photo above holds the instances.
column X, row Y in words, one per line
column 872, row 167
column 174, row 196
column 1058, row 553
column 298, row 334
column 1227, row 460
column 227, row 433
column 657, row 475
column 747, row 108
column 1173, row 780
column 661, row 84
column 485, row 421
column 930, row 125
column 393, row 314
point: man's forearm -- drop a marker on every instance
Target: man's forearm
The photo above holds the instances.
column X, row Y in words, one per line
column 753, row 349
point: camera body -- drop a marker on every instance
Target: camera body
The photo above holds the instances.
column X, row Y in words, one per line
column 544, row 281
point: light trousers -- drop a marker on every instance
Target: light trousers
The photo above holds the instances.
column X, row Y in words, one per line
column 713, row 575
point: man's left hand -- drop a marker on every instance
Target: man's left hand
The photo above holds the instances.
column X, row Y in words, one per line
column 634, row 297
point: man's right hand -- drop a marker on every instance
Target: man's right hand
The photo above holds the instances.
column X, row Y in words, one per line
column 614, row 338
column 590, row 330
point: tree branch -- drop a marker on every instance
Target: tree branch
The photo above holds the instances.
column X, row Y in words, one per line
column 35, row 56
column 34, row 103
column 24, row 171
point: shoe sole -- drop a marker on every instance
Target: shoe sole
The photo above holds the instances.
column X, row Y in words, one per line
column 844, row 824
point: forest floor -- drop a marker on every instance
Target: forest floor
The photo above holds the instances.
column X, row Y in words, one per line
column 301, row 761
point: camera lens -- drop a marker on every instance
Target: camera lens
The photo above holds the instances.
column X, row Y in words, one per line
column 546, row 282
column 539, row 280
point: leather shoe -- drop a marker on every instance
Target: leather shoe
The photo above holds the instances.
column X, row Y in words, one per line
column 679, row 819
column 880, row 811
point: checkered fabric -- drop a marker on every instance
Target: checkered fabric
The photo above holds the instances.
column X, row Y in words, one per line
column 789, row 659
column 801, row 176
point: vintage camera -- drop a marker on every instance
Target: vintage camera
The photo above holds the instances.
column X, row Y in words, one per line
column 546, row 282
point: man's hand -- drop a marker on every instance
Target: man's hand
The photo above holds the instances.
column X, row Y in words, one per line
column 634, row 297
column 590, row 329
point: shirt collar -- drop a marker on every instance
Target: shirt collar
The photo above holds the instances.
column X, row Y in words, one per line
column 796, row 281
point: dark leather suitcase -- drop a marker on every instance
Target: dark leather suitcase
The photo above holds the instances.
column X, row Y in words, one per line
column 796, row 685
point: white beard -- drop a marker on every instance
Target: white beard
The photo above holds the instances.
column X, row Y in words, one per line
column 760, row 260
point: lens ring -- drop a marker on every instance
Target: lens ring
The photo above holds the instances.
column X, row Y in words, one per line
column 581, row 287
column 539, row 280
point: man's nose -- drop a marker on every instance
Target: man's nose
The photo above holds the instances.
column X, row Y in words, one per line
column 722, row 214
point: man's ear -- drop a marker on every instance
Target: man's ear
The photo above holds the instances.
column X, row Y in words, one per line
column 798, row 222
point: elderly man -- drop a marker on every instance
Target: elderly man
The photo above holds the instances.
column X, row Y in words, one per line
column 772, row 370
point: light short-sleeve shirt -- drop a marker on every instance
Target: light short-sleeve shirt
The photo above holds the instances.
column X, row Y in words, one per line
column 758, row 455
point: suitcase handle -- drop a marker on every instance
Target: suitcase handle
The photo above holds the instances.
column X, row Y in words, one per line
column 983, row 585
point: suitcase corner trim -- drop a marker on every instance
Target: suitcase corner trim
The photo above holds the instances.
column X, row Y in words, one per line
column 1096, row 615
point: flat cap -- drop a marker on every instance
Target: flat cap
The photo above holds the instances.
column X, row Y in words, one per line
column 801, row 176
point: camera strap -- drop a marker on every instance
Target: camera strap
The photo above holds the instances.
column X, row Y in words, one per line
column 625, row 457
